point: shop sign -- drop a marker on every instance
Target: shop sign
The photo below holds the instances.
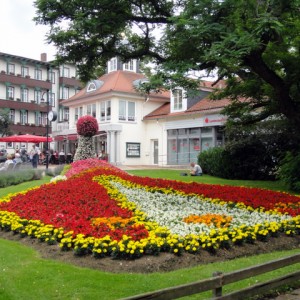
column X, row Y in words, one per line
column 133, row 149
column 214, row 120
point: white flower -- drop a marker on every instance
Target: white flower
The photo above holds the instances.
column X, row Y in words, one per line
column 58, row 178
column 169, row 210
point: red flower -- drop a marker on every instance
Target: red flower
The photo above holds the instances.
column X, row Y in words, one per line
column 87, row 126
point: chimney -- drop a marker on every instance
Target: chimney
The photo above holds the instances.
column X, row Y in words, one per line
column 44, row 57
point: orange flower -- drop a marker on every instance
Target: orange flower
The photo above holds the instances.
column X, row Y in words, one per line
column 209, row 219
column 112, row 222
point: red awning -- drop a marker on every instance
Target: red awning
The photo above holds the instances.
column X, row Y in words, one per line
column 59, row 138
column 72, row 137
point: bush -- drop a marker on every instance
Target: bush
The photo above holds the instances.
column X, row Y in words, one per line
column 289, row 171
column 55, row 171
column 12, row 177
column 245, row 159
column 250, row 158
column 214, row 162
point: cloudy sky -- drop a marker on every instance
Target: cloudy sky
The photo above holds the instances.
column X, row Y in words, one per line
column 19, row 34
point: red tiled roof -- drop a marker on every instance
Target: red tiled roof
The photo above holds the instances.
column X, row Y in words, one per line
column 204, row 105
column 117, row 81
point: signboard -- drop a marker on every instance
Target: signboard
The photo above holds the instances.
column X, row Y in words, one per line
column 133, row 149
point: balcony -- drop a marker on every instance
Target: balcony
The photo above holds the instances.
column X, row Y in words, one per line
column 29, row 128
column 70, row 82
column 18, row 104
column 17, row 79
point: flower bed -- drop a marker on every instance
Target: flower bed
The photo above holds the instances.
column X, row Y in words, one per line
column 102, row 210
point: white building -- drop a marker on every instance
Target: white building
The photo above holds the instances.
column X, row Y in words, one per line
column 162, row 129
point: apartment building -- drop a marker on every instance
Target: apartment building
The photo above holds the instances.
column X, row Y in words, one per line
column 30, row 88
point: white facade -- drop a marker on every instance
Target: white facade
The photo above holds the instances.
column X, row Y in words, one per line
column 159, row 129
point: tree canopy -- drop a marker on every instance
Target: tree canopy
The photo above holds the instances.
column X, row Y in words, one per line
column 5, row 122
column 253, row 44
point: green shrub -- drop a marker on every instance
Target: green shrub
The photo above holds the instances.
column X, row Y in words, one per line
column 244, row 159
column 56, row 170
column 289, row 171
column 15, row 177
column 214, row 162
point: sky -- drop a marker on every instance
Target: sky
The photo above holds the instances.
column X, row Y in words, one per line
column 19, row 34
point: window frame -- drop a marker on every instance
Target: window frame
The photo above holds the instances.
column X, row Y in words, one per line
column 124, row 111
column 10, row 92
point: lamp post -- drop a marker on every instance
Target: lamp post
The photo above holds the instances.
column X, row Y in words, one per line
column 47, row 126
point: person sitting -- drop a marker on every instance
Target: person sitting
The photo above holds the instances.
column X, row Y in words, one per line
column 196, row 170
column 9, row 163
column 17, row 158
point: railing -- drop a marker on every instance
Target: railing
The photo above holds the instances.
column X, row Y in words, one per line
column 216, row 283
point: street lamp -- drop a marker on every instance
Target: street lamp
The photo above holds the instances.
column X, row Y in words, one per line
column 47, row 126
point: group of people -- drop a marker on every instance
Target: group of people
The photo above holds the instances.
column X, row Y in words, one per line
column 35, row 156
column 11, row 161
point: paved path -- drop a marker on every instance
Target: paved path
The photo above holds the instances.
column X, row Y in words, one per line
column 293, row 295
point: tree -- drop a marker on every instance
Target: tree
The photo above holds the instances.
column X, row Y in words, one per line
column 5, row 122
column 253, row 44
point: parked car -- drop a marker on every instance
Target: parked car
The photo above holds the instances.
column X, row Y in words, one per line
column 3, row 154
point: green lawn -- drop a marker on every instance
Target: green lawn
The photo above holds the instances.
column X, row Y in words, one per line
column 175, row 175
column 25, row 275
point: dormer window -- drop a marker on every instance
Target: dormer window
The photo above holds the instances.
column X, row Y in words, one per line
column 129, row 66
column 112, row 65
column 178, row 100
column 94, row 85
column 91, row 87
column 177, row 94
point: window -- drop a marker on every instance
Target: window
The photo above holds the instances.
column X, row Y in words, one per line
column 52, row 99
column 44, row 118
column 91, row 110
column 126, row 111
column 112, row 65
column 37, row 96
column 52, row 77
column 105, row 111
column 23, row 117
column 131, row 111
column 24, row 95
column 78, row 113
column 91, row 87
column 11, row 69
column 65, row 92
column 10, row 92
column 129, row 66
column 24, row 71
column 122, row 110
column 38, row 74
column 66, row 72
column 12, row 115
column 66, row 114
column 39, row 119
column 177, row 96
